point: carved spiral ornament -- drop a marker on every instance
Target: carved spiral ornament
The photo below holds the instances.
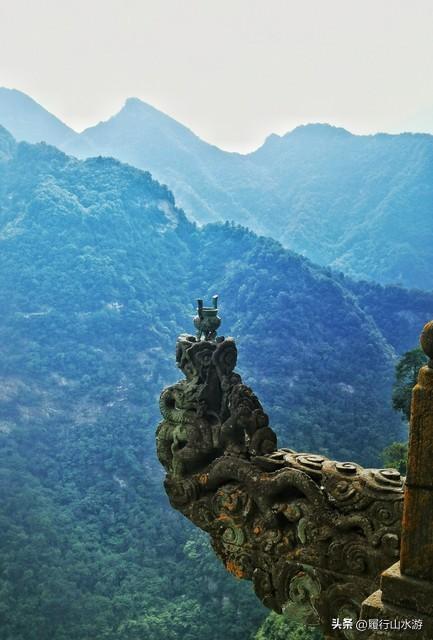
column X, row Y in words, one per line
column 313, row 534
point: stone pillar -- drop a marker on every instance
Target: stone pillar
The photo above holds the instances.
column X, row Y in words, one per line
column 406, row 591
column 416, row 557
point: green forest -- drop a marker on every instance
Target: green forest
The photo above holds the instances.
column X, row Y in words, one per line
column 338, row 198
column 99, row 273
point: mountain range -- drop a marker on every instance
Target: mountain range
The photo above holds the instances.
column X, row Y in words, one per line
column 362, row 205
column 99, row 271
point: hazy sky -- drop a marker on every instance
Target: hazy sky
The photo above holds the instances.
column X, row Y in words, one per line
column 232, row 70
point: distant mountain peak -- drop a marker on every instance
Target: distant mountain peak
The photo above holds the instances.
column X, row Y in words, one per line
column 319, row 129
column 16, row 95
column 143, row 122
column 27, row 120
column 136, row 106
column 133, row 101
column 309, row 131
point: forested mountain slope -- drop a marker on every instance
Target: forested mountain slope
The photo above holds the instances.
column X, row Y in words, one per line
column 200, row 174
column 93, row 278
column 99, row 271
column 361, row 204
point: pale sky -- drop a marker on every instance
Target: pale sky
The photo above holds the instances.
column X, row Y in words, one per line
column 233, row 71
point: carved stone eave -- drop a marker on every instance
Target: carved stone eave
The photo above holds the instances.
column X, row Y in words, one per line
column 312, row 534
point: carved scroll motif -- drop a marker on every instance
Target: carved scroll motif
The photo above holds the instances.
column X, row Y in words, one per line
column 312, row 534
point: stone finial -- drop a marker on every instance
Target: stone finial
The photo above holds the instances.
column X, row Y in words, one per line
column 207, row 320
column 426, row 340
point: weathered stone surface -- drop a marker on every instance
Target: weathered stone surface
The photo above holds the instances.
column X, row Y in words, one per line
column 312, row 534
column 407, row 587
column 426, row 339
column 417, row 534
column 374, row 608
column 420, row 470
column 417, row 540
column 406, row 592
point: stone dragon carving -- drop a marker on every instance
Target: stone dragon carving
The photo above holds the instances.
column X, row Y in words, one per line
column 312, row 534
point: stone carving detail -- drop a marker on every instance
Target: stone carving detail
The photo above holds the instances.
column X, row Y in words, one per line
column 406, row 588
column 312, row 534
column 207, row 321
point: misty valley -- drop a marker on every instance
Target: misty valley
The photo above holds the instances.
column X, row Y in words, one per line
column 319, row 246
